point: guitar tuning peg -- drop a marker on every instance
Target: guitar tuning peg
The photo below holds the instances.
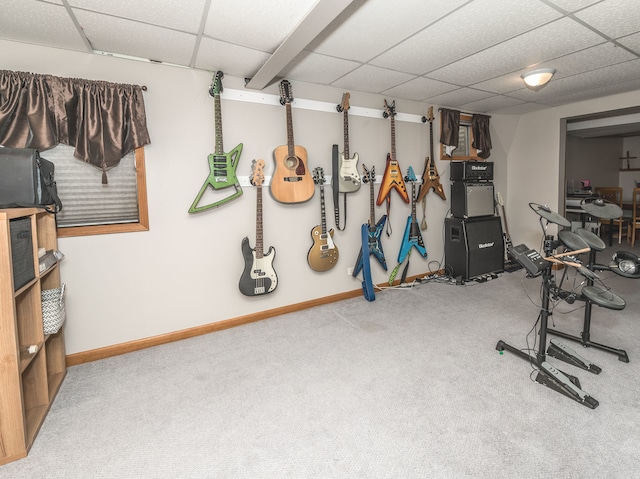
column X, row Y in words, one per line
column 339, row 108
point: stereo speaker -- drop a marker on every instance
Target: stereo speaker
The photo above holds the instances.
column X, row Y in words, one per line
column 470, row 200
column 474, row 247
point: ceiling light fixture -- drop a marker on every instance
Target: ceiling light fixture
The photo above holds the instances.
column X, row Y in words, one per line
column 536, row 79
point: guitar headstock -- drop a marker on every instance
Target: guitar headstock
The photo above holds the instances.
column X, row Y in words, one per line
column 389, row 110
column 318, row 175
column 216, row 83
column 411, row 176
column 257, row 172
column 286, row 94
column 344, row 105
column 369, row 175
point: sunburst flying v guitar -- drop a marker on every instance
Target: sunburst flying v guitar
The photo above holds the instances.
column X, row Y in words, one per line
column 430, row 176
column 392, row 176
column 323, row 254
column 222, row 166
column 349, row 179
column 258, row 276
column 412, row 237
column 291, row 181
column 374, row 230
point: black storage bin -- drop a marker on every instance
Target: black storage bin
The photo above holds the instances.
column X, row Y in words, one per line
column 21, row 251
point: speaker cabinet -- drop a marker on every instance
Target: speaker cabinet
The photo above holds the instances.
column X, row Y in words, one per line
column 474, row 247
column 470, row 200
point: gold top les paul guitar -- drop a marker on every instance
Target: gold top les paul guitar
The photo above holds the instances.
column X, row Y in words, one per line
column 323, row 254
column 291, row 181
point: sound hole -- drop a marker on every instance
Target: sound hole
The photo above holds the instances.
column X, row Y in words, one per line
column 291, row 162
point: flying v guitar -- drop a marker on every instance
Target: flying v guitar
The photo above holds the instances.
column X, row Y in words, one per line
column 222, row 166
column 258, row 276
column 374, row 230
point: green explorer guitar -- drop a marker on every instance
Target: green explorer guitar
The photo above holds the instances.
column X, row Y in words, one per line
column 222, row 166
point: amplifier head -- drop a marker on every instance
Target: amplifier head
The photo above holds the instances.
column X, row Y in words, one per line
column 471, row 170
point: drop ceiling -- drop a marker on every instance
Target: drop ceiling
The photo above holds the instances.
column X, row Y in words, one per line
column 463, row 54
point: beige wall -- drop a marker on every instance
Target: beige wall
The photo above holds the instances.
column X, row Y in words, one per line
column 184, row 271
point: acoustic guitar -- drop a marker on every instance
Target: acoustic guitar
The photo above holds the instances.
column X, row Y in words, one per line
column 258, row 276
column 374, row 230
column 349, row 179
column 291, row 181
column 222, row 166
column 323, row 254
column 430, row 176
column 392, row 176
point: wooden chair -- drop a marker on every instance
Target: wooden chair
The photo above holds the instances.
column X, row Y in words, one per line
column 612, row 194
column 634, row 221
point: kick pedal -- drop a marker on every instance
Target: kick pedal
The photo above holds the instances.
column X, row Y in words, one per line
column 564, row 384
column 564, row 353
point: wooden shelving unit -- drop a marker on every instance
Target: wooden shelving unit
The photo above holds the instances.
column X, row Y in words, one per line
column 29, row 381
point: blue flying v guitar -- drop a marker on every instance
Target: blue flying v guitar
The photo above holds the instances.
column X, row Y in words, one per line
column 222, row 166
column 412, row 237
column 374, row 230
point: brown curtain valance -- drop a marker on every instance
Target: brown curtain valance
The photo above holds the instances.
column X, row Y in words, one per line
column 103, row 121
column 481, row 135
column 450, row 121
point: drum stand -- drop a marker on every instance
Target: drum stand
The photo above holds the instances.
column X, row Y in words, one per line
column 548, row 375
column 591, row 293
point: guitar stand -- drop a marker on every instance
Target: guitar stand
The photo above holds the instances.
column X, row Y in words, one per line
column 585, row 336
column 549, row 375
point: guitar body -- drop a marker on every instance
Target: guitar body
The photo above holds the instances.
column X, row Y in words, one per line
column 258, row 276
column 367, row 284
column 392, row 180
column 323, row 254
column 412, row 239
column 431, row 181
column 291, row 181
column 374, row 244
column 349, row 180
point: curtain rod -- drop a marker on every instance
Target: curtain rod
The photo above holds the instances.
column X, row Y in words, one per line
column 465, row 112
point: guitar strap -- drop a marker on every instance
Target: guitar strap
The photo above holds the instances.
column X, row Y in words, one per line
column 335, row 186
column 423, row 223
column 388, row 201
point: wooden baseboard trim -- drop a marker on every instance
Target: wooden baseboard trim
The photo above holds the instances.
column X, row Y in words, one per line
column 131, row 346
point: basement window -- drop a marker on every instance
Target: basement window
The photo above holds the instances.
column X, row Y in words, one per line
column 464, row 151
column 91, row 208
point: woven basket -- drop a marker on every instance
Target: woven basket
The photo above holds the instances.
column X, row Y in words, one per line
column 53, row 313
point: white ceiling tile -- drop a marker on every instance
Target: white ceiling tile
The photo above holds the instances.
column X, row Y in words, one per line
column 116, row 35
column 371, row 27
column 437, row 46
column 183, row 15
column 493, row 103
column 255, row 24
column 232, row 59
column 632, row 42
column 614, row 18
column 522, row 108
column 39, row 23
column 371, row 79
column 315, row 68
column 573, row 5
column 550, row 41
column 459, row 97
column 607, row 90
column 419, row 89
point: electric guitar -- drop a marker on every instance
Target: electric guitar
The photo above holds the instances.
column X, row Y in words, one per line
column 323, row 254
column 349, row 180
column 291, row 181
column 374, row 230
column 258, row 276
column 508, row 245
column 222, row 166
column 412, row 236
column 392, row 177
column 430, row 176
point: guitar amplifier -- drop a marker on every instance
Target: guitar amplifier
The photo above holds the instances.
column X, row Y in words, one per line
column 470, row 200
column 471, row 170
column 473, row 247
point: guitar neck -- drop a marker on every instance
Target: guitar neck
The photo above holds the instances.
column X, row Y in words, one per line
column 218, row 122
column 413, row 202
column 433, row 160
column 322, row 211
column 259, row 246
column 393, row 138
column 346, row 133
column 372, row 211
column 290, row 142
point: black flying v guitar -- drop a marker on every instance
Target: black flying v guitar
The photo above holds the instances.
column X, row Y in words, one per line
column 258, row 276
column 222, row 166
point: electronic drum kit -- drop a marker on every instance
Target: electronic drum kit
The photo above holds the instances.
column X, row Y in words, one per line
column 580, row 241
